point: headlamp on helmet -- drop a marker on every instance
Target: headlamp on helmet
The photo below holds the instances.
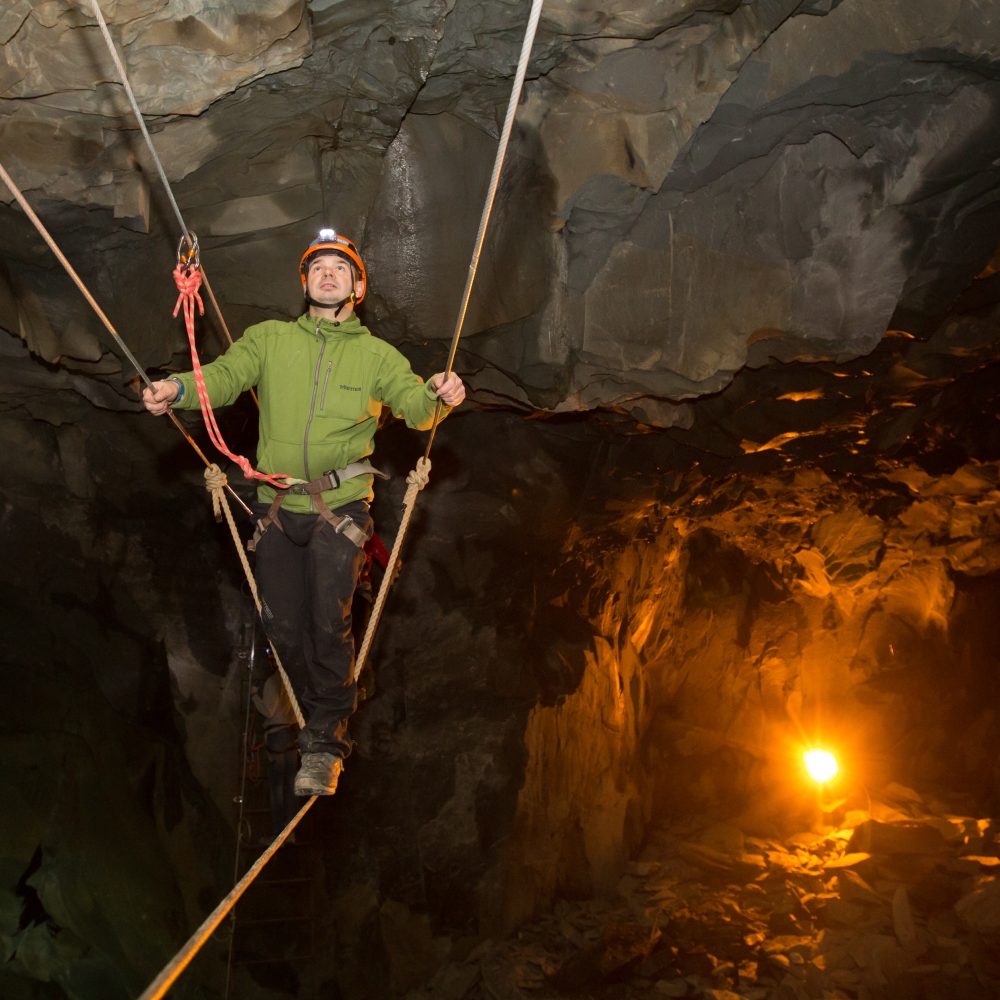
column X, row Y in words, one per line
column 332, row 242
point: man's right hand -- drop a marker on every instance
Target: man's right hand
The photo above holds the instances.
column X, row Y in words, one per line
column 158, row 398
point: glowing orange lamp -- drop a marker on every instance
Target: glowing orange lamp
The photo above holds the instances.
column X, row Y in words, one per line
column 821, row 765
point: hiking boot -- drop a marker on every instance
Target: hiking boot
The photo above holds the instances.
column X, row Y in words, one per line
column 318, row 774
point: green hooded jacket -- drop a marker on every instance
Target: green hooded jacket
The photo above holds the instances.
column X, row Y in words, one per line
column 321, row 385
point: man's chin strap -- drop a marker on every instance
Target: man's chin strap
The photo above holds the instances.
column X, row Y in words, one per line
column 339, row 306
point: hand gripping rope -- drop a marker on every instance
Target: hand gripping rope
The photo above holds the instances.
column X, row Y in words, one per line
column 187, row 278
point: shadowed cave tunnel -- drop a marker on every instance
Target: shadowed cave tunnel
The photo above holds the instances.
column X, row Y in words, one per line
column 726, row 486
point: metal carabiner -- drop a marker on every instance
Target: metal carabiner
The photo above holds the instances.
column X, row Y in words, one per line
column 191, row 259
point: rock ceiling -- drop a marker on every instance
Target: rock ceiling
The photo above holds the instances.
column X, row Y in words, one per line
column 693, row 186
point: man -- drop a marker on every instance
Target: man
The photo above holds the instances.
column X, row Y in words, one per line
column 321, row 381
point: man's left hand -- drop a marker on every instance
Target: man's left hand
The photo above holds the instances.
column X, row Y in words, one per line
column 450, row 389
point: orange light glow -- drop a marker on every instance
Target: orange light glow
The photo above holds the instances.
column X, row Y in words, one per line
column 821, row 765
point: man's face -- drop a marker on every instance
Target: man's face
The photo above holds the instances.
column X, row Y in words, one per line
column 329, row 279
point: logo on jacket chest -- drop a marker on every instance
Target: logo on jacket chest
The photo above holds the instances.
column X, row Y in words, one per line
column 349, row 388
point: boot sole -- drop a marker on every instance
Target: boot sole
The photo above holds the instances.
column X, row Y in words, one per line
column 315, row 790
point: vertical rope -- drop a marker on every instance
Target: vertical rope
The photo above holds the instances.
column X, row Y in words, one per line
column 241, row 812
column 515, row 97
column 185, row 232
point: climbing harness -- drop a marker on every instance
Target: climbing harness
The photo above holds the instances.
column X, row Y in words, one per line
column 342, row 524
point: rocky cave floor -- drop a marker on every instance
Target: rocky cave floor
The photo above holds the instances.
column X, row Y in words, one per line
column 898, row 900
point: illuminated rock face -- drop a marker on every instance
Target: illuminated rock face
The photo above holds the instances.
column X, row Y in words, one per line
column 737, row 620
column 785, row 526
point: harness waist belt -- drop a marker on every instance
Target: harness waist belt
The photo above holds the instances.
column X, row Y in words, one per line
column 343, row 524
column 331, row 479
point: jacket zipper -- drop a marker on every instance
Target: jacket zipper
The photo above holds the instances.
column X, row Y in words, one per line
column 326, row 384
column 312, row 410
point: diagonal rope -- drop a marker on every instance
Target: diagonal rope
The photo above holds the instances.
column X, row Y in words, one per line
column 186, row 234
column 92, row 302
column 116, row 59
column 515, row 97
column 417, row 479
column 172, row 970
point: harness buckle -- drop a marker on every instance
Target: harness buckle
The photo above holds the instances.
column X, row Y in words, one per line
column 347, row 526
column 330, row 480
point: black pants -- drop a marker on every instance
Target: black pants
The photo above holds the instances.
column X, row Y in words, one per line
column 306, row 575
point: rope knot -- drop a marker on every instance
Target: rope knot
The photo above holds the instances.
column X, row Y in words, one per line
column 419, row 476
column 216, row 482
column 215, row 478
column 188, row 284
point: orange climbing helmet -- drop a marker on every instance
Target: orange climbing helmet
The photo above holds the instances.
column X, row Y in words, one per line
column 329, row 241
